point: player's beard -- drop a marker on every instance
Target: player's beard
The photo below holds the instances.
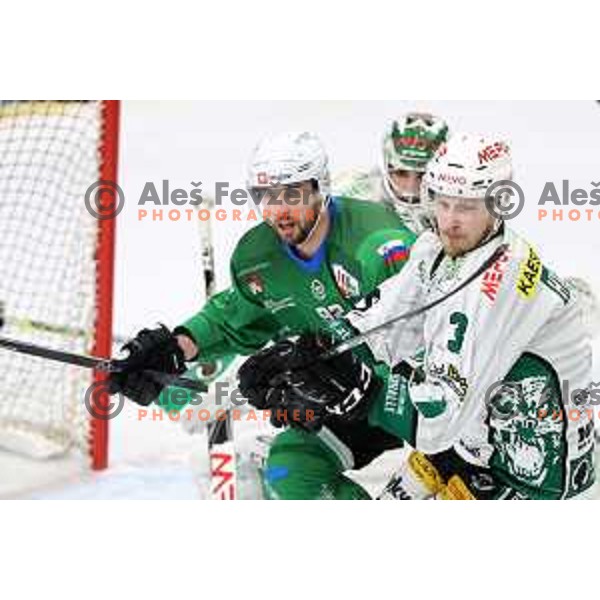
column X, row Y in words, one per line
column 292, row 231
column 455, row 245
column 458, row 244
column 295, row 229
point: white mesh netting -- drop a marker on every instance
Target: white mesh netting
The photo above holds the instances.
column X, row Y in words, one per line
column 49, row 156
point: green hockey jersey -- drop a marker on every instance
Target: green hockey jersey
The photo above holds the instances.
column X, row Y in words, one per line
column 275, row 293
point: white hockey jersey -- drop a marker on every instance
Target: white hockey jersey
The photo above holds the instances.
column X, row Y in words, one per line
column 472, row 341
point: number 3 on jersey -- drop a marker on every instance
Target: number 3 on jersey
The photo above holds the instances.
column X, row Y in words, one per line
column 460, row 322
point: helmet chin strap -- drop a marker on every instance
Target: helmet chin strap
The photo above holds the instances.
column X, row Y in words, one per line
column 311, row 231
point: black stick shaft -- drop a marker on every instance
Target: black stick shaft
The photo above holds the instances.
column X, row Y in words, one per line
column 92, row 362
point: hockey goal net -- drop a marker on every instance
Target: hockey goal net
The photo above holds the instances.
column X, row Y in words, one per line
column 56, row 271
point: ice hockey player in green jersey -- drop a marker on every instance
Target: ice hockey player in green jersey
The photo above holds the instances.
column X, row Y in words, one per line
column 498, row 400
column 406, row 147
column 311, row 260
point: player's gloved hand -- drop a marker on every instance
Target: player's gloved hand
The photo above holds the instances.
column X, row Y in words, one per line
column 153, row 349
column 255, row 376
column 304, row 392
column 339, row 388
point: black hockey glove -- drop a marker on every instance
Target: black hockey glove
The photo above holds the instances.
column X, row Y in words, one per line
column 304, row 392
column 153, row 349
column 339, row 389
column 257, row 373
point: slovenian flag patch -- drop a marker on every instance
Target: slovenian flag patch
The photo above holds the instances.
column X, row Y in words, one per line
column 393, row 251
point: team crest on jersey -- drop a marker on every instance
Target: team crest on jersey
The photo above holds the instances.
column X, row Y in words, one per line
column 318, row 289
column 451, row 376
column 255, row 283
column 347, row 284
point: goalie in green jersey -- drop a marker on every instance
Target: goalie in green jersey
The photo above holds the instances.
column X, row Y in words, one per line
column 313, row 259
column 408, row 143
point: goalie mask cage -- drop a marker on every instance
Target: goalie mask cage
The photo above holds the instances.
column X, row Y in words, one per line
column 56, row 272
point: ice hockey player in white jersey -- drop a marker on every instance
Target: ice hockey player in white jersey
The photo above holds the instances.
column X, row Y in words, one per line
column 408, row 144
column 497, row 401
column 504, row 361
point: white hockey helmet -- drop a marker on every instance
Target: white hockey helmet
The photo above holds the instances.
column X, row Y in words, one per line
column 466, row 165
column 289, row 158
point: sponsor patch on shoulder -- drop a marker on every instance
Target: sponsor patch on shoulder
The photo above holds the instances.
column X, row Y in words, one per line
column 530, row 273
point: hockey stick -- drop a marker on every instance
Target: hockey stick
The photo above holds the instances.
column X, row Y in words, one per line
column 220, row 440
column 92, row 362
column 361, row 337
